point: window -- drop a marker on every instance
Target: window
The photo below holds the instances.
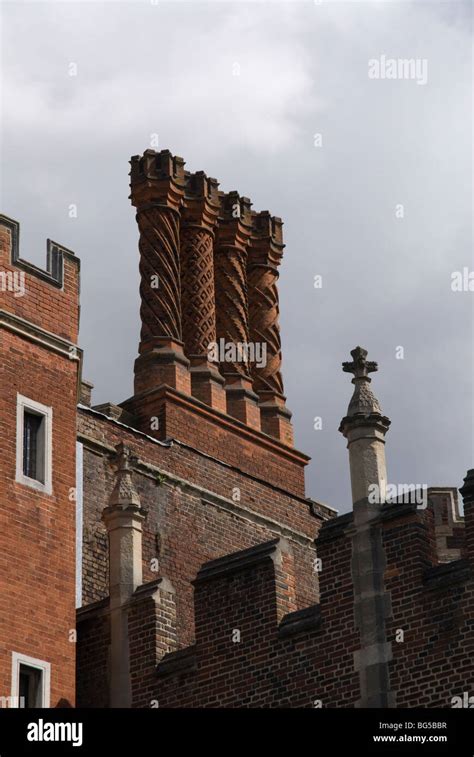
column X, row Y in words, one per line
column 30, row 682
column 30, row 686
column 34, row 444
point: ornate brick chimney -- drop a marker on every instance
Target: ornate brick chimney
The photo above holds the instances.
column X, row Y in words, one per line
column 208, row 372
column 198, row 222
column 265, row 254
column 157, row 190
column 232, row 310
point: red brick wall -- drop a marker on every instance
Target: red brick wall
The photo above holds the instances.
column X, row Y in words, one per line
column 93, row 640
column 433, row 606
column 307, row 661
column 184, row 529
column 220, row 436
column 37, row 531
column 301, row 661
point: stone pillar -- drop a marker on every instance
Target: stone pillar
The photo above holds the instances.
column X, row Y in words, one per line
column 265, row 254
column 230, row 271
column 198, row 222
column 365, row 427
column 123, row 519
column 372, row 606
column 467, row 492
column 157, row 189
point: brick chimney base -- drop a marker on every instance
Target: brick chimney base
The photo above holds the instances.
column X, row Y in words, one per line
column 276, row 418
column 242, row 402
column 162, row 363
column 207, row 384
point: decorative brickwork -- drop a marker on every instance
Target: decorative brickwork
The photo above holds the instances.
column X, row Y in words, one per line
column 157, row 189
column 159, row 271
column 262, row 269
column 265, row 255
column 231, row 277
column 156, row 182
column 199, row 218
column 198, row 289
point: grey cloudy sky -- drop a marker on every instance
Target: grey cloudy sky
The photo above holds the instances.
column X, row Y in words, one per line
column 168, row 68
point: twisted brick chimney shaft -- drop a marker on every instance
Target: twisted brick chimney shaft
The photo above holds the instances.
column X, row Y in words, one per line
column 208, row 270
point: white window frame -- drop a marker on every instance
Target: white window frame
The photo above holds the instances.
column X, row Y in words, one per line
column 45, row 667
column 24, row 403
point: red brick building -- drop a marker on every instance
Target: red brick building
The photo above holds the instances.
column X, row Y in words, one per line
column 39, row 379
column 207, row 577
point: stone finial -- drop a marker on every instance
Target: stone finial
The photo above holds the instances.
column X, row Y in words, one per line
column 124, row 493
column 364, row 427
column 360, row 367
column 363, row 400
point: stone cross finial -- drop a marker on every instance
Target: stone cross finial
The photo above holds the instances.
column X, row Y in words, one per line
column 124, row 493
column 360, row 367
column 363, row 400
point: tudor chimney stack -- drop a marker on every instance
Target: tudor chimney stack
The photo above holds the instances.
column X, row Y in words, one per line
column 208, row 273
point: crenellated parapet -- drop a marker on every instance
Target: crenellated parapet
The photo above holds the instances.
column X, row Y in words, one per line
column 389, row 615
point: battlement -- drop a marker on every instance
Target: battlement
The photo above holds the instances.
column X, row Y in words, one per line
column 47, row 298
column 248, row 653
column 391, row 620
column 254, row 649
